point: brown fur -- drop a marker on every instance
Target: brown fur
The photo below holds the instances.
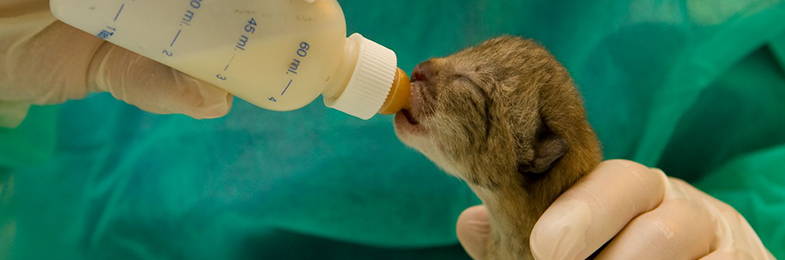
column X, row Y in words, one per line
column 506, row 118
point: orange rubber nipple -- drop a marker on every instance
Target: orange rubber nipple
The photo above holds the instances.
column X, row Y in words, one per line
column 399, row 94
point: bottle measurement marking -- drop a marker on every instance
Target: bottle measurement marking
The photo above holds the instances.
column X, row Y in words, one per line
column 293, row 66
column 302, row 51
column 287, row 87
column 250, row 28
column 188, row 17
column 118, row 12
column 229, row 63
column 175, row 37
column 241, row 43
column 106, row 33
column 109, row 31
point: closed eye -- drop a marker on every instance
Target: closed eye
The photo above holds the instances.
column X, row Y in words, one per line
column 475, row 87
column 486, row 100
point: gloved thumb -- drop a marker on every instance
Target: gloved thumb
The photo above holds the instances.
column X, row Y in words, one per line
column 153, row 86
column 473, row 229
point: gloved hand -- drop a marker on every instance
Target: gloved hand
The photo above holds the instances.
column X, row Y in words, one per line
column 647, row 214
column 43, row 61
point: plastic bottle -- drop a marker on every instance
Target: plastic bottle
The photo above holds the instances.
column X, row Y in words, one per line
column 276, row 54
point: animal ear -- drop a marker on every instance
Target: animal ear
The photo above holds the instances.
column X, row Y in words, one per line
column 547, row 150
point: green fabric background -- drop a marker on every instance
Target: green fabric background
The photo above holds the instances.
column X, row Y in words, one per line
column 694, row 87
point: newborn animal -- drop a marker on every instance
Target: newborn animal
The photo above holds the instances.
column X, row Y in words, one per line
column 506, row 118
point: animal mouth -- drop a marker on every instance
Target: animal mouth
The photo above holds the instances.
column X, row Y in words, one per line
column 406, row 121
column 409, row 118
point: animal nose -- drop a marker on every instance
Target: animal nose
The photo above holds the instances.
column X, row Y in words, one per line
column 423, row 71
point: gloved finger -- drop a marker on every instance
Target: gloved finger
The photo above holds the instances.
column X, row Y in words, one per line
column 42, row 61
column 591, row 212
column 153, row 86
column 680, row 228
column 740, row 243
column 735, row 242
column 726, row 255
column 12, row 113
column 473, row 229
column 48, row 62
column 734, row 255
column 735, row 237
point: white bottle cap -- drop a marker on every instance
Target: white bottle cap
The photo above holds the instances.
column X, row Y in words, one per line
column 370, row 82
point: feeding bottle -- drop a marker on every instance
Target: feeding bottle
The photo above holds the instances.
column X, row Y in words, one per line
column 277, row 54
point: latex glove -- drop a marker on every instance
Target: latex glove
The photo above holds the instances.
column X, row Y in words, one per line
column 43, row 61
column 647, row 214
